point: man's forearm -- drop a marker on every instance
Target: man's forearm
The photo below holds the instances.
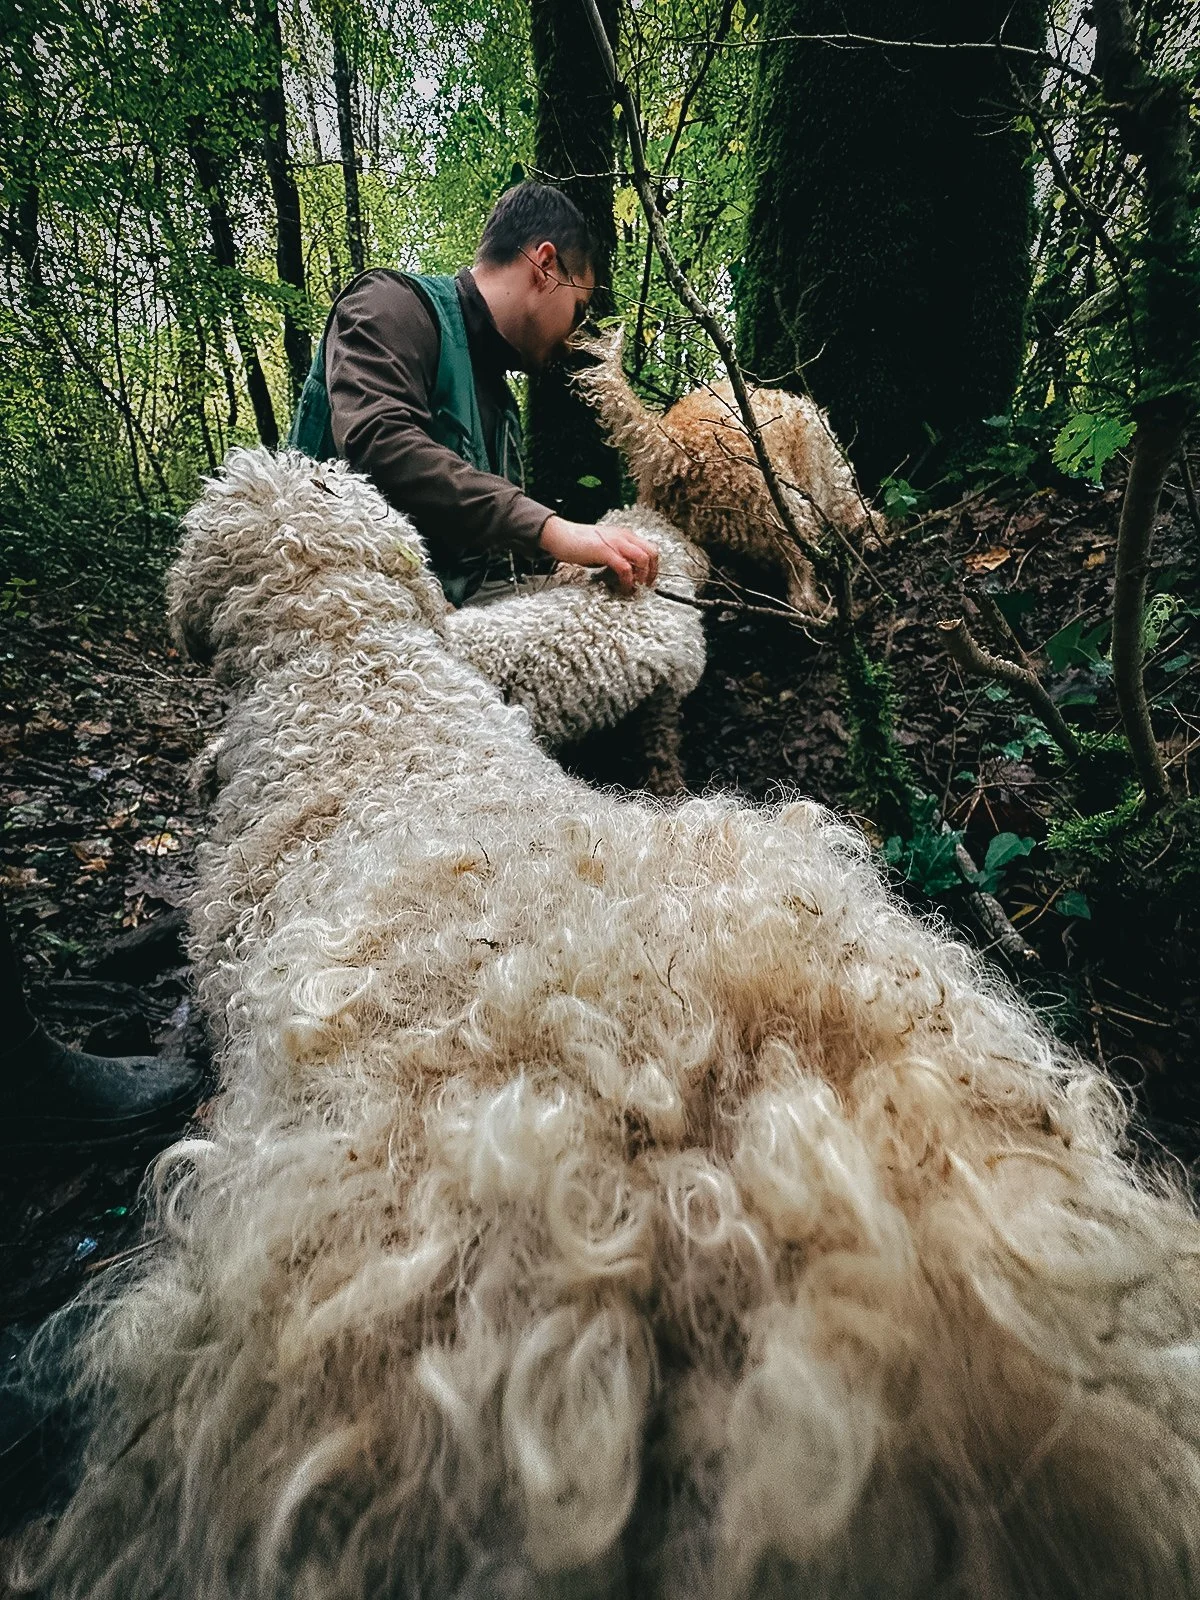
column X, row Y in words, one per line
column 449, row 500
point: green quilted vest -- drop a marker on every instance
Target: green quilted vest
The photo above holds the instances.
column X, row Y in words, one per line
column 456, row 422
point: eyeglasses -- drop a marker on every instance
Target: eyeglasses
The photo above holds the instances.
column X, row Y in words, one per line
column 581, row 307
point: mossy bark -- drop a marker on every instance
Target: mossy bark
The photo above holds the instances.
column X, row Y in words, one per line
column 889, row 227
column 574, row 149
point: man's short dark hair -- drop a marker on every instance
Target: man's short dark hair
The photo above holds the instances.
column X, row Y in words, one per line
column 528, row 213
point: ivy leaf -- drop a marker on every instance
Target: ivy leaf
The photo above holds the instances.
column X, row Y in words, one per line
column 899, row 497
column 1003, row 849
column 1074, row 904
column 1006, row 847
column 1011, row 604
column 1089, row 441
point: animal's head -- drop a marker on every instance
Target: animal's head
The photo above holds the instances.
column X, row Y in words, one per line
column 651, row 451
column 280, row 549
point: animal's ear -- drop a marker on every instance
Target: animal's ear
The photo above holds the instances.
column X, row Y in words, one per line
column 195, row 645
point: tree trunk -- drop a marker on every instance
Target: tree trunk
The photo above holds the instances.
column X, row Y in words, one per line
column 345, row 115
column 891, row 208
column 1152, row 115
column 23, row 230
column 225, row 255
column 289, row 242
column 574, row 148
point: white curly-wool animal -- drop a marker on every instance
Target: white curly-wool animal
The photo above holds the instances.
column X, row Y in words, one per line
column 578, row 658
column 603, row 1199
column 695, row 465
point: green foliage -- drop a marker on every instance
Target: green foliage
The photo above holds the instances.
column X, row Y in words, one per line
column 1031, row 735
column 900, row 499
column 1121, row 854
column 925, row 856
column 1087, row 443
column 1161, row 611
column 1076, row 645
column 1002, row 851
column 1100, row 777
column 1074, row 903
column 1002, row 451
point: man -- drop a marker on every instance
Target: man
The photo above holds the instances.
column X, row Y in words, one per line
column 408, row 384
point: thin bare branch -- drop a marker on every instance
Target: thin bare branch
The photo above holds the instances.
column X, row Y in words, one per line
column 970, row 655
column 687, row 294
column 1042, row 58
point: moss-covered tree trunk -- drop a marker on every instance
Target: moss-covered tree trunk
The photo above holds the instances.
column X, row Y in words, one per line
column 889, row 229
column 574, row 148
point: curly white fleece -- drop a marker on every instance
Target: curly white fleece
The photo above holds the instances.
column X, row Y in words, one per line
column 603, row 1199
column 577, row 656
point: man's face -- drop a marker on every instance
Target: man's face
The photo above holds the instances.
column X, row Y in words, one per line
column 558, row 304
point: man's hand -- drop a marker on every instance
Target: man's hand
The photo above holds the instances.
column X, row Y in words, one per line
column 631, row 559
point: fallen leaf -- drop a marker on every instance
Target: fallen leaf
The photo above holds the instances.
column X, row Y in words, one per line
column 23, row 878
column 1096, row 559
column 157, row 844
column 89, row 849
column 93, row 730
column 987, row 560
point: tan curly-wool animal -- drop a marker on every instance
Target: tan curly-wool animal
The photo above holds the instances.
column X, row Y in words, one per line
column 603, row 1199
column 695, row 465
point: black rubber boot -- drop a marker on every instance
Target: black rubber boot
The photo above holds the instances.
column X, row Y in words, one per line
column 50, row 1095
column 53, row 1096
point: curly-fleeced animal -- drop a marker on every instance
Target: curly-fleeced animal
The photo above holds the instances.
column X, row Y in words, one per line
column 578, row 658
column 695, row 465
column 603, row 1198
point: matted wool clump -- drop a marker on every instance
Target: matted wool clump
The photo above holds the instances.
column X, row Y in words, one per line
column 603, row 1199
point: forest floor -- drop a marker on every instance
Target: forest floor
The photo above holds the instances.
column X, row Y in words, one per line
column 100, row 719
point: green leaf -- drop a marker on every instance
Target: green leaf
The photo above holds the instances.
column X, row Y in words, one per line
column 1074, row 904
column 1076, row 645
column 1160, row 611
column 927, row 858
column 588, row 481
column 1089, row 441
column 1177, row 663
column 1006, row 847
column 1011, row 604
column 899, row 497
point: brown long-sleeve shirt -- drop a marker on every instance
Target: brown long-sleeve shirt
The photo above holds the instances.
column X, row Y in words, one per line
column 381, row 358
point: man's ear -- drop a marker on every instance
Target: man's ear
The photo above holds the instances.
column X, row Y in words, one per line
column 541, row 257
